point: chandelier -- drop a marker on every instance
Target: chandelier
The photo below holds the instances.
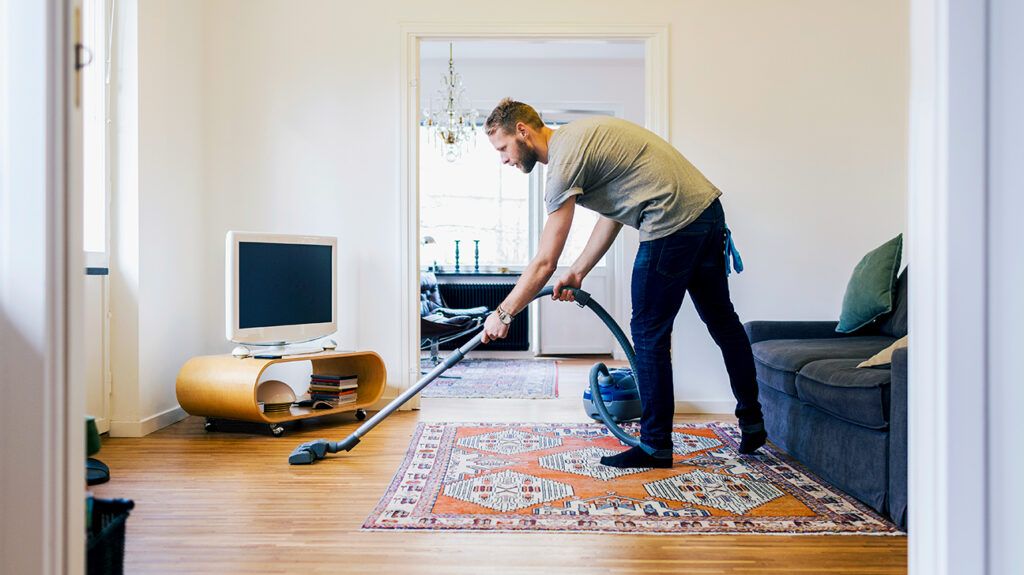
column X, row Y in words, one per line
column 450, row 121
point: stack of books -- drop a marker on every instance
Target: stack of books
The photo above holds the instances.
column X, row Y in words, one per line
column 327, row 391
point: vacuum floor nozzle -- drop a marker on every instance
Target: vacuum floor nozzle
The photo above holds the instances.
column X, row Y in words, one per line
column 309, row 452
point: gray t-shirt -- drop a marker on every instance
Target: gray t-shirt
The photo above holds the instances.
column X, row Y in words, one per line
column 625, row 173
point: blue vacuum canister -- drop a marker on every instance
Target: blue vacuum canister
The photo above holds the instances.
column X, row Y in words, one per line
column 619, row 393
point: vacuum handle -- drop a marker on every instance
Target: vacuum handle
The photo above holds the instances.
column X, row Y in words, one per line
column 582, row 297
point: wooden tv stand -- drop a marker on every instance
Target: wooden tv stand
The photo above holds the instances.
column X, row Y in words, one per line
column 224, row 387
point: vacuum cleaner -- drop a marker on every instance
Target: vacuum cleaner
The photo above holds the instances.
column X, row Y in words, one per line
column 616, row 387
column 618, row 393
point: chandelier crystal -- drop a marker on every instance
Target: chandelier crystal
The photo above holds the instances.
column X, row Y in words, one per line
column 450, row 121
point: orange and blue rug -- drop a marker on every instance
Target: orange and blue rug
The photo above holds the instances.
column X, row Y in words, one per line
column 497, row 379
column 548, row 477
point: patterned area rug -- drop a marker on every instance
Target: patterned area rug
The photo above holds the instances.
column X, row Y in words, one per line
column 497, row 378
column 548, row 477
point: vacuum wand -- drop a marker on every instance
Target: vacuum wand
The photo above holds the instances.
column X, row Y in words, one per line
column 312, row 451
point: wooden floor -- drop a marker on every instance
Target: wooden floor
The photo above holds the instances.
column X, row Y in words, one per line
column 228, row 502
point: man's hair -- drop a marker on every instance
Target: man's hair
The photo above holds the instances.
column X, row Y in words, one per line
column 508, row 113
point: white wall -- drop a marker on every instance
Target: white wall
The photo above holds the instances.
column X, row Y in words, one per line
column 801, row 122
column 159, row 291
column 173, row 287
column 784, row 105
column 289, row 143
column 124, row 224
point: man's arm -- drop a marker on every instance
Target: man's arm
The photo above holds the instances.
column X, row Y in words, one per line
column 538, row 272
column 600, row 240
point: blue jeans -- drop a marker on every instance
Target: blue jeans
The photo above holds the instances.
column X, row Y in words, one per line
column 690, row 260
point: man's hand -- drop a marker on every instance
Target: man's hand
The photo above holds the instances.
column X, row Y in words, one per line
column 570, row 279
column 494, row 329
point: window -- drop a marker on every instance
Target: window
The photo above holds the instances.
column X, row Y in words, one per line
column 477, row 198
column 473, row 198
column 94, row 125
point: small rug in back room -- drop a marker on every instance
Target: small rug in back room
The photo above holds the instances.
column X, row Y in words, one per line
column 548, row 477
column 496, row 379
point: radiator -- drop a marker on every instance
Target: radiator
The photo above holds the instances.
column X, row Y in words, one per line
column 466, row 295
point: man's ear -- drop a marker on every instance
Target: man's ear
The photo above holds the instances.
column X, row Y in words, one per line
column 521, row 129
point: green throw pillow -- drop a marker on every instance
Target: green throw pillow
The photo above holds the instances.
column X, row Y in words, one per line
column 870, row 291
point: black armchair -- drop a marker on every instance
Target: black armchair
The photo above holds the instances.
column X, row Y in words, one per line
column 439, row 323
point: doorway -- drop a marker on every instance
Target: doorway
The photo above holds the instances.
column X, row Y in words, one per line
column 485, row 60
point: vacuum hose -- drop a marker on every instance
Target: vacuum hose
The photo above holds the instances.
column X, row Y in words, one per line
column 583, row 299
column 312, row 451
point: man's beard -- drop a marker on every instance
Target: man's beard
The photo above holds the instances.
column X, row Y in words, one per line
column 528, row 157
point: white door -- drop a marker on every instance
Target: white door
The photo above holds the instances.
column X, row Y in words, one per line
column 566, row 328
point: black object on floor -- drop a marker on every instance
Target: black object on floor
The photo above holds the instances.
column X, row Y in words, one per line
column 96, row 472
column 105, row 524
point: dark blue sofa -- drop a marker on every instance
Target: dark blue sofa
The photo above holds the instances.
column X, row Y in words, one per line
column 846, row 424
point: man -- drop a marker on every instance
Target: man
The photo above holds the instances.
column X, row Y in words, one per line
column 631, row 176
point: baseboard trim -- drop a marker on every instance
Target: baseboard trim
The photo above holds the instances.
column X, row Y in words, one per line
column 706, row 407
column 574, row 350
column 102, row 425
column 148, row 425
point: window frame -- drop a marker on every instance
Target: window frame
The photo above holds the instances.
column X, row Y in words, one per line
column 97, row 36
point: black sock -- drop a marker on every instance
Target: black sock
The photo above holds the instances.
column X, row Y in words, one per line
column 753, row 437
column 636, row 457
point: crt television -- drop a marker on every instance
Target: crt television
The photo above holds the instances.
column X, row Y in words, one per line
column 280, row 289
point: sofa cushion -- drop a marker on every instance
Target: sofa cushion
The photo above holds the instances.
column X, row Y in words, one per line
column 895, row 324
column 884, row 357
column 871, row 290
column 838, row 387
column 778, row 360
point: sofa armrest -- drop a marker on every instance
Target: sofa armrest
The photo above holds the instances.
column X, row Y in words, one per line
column 765, row 330
column 898, row 439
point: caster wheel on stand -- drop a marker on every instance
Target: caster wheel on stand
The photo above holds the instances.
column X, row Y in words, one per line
column 210, row 424
column 276, row 430
column 360, row 414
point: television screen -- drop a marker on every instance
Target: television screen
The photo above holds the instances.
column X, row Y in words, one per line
column 284, row 284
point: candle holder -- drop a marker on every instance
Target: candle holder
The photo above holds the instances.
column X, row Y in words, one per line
column 476, row 256
column 456, row 256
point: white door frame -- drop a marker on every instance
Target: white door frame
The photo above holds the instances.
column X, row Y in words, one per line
column 947, row 248
column 42, row 444
column 656, row 113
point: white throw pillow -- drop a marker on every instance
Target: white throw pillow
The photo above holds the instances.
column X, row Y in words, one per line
column 884, row 357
